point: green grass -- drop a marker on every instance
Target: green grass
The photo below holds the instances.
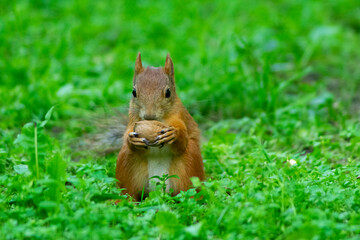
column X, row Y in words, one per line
column 268, row 81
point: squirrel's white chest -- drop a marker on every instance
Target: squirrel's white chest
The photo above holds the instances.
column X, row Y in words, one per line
column 159, row 160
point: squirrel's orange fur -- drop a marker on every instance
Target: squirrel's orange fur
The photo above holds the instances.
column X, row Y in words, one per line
column 181, row 138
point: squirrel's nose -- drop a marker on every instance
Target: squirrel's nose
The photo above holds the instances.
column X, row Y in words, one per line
column 149, row 117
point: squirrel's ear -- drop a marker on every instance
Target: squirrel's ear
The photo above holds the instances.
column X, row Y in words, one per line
column 169, row 66
column 138, row 64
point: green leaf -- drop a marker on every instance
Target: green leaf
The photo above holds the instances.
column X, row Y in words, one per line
column 21, row 169
column 104, row 197
column 48, row 205
column 47, row 117
column 194, row 230
column 167, row 222
column 195, row 181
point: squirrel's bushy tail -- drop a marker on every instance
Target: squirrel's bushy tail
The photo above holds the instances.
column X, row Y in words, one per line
column 106, row 134
column 110, row 137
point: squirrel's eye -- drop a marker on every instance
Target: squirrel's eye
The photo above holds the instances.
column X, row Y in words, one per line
column 167, row 93
column 134, row 92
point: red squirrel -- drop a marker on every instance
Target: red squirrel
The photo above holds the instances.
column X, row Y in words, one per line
column 176, row 150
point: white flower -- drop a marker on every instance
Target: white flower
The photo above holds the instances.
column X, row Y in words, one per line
column 291, row 162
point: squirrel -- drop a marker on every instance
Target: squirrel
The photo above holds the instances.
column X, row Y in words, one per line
column 176, row 150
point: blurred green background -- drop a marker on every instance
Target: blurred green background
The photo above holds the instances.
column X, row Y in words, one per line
column 232, row 59
column 267, row 81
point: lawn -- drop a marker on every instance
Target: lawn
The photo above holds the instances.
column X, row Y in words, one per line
column 273, row 85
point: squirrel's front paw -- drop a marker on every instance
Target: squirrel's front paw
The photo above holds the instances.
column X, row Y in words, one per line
column 136, row 141
column 167, row 135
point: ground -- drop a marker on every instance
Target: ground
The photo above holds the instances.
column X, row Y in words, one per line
column 273, row 85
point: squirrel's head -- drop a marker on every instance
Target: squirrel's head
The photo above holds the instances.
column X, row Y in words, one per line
column 153, row 90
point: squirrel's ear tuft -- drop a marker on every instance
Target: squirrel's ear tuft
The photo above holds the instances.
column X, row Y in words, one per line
column 169, row 66
column 138, row 64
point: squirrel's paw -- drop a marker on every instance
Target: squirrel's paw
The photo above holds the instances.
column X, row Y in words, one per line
column 168, row 135
column 136, row 141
